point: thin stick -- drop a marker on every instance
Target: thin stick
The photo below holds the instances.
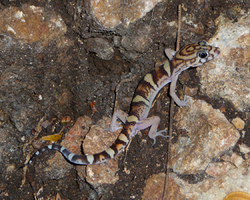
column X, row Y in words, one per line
column 171, row 117
column 179, row 29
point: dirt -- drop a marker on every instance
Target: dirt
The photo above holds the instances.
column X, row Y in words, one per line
column 70, row 78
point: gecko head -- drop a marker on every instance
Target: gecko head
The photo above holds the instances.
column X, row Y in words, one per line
column 197, row 54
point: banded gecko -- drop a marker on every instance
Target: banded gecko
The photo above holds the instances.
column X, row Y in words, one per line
column 192, row 55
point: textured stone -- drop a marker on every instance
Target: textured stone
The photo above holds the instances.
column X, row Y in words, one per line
column 72, row 142
column 237, row 179
column 96, row 141
column 238, row 123
column 154, row 187
column 244, row 148
column 219, row 168
column 228, row 76
column 110, row 13
column 101, row 47
column 209, row 133
column 139, row 42
column 31, row 24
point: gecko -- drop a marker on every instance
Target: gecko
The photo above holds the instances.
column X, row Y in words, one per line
column 191, row 55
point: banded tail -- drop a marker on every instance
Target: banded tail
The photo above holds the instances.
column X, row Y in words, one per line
column 104, row 156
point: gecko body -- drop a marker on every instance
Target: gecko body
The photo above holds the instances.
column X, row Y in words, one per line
column 192, row 55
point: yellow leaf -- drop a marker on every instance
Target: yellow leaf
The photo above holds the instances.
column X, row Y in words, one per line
column 53, row 138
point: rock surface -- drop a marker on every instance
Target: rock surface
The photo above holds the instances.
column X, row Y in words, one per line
column 110, row 14
column 209, row 134
column 29, row 24
column 229, row 76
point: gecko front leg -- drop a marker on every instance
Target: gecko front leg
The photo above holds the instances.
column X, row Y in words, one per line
column 174, row 95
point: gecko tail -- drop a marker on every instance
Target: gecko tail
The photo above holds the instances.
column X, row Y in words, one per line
column 77, row 159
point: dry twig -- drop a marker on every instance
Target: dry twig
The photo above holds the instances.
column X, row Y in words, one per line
column 171, row 116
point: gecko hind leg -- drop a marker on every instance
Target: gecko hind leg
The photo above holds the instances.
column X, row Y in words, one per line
column 119, row 114
column 153, row 123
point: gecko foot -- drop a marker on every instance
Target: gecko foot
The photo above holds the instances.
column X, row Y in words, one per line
column 114, row 128
column 185, row 102
column 156, row 134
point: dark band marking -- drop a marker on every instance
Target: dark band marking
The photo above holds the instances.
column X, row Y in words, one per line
column 79, row 159
column 162, row 71
column 139, row 104
column 115, row 149
column 134, row 112
column 126, row 133
column 144, row 84
column 96, row 158
column 118, row 141
column 175, row 64
column 104, row 156
column 155, row 77
column 144, row 93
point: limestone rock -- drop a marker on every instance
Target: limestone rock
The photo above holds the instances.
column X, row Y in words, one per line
column 32, row 24
column 110, row 14
column 208, row 134
column 101, row 47
column 228, row 75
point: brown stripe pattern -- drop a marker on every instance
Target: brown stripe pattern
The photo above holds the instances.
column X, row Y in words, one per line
column 191, row 55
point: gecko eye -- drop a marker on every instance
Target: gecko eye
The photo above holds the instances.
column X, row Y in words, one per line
column 202, row 54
